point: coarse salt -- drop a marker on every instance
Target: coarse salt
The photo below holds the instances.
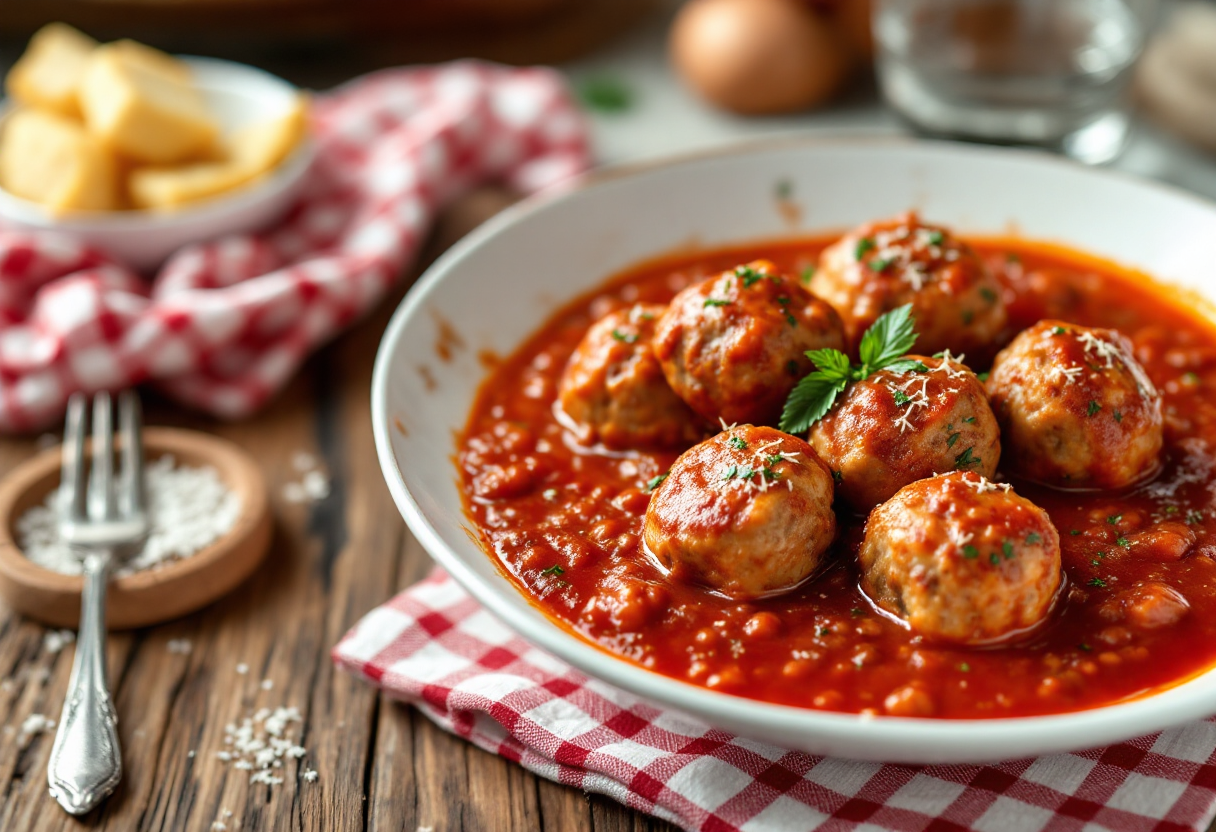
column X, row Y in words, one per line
column 261, row 742
column 33, row 725
column 181, row 646
column 313, row 486
column 189, row 509
column 56, row 640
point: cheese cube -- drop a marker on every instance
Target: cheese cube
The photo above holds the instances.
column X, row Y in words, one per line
column 134, row 53
column 51, row 159
column 49, row 72
column 145, row 115
column 166, row 188
column 252, row 150
column 260, row 146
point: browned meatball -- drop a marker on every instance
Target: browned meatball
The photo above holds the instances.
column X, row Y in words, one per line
column 1075, row 407
column 962, row 559
column 747, row 513
column 613, row 390
column 734, row 346
column 895, row 428
column 956, row 301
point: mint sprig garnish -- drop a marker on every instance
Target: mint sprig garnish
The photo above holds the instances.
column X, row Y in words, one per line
column 883, row 347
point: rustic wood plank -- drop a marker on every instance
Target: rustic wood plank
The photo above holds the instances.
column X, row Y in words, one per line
column 609, row 816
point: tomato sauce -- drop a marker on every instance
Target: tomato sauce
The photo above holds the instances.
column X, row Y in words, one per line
column 565, row 524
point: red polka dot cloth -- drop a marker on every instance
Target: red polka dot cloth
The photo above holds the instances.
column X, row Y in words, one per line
column 223, row 325
column 436, row 648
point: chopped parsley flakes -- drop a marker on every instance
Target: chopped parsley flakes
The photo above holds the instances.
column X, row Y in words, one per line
column 655, row 482
column 625, row 337
column 966, row 459
column 863, row 245
column 748, row 275
column 555, row 569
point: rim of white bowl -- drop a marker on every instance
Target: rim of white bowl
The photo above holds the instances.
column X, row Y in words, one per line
column 1092, row 727
column 288, row 170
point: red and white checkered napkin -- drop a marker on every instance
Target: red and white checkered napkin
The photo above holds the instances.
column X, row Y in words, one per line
column 224, row 324
column 435, row 647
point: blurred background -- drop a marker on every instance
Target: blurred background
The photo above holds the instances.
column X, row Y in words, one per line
column 662, row 77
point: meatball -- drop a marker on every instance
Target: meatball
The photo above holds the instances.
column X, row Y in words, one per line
column 956, row 301
column 613, row 390
column 1076, row 409
column 962, row 559
column 896, row 428
column 747, row 513
column 734, row 346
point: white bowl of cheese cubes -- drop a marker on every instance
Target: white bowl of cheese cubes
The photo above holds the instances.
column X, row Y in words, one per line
column 140, row 153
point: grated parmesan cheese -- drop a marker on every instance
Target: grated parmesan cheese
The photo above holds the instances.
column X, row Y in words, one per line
column 189, row 509
column 1069, row 374
column 984, row 485
column 1100, row 349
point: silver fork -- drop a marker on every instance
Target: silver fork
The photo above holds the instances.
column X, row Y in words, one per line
column 100, row 522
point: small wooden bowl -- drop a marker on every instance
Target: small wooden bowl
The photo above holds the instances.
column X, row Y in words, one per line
column 152, row 595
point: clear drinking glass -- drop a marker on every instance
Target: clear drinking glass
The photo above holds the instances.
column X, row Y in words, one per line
column 1052, row 73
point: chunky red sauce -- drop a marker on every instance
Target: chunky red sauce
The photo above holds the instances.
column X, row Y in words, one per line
column 565, row 524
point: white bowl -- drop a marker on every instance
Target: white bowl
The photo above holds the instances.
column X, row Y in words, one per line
column 499, row 284
column 237, row 95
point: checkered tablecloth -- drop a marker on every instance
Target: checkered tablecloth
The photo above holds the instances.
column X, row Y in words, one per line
column 225, row 324
column 436, row 648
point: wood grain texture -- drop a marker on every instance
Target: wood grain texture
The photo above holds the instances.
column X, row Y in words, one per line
column 382, row 766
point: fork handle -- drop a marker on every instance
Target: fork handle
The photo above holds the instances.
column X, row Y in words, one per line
column 86, row 763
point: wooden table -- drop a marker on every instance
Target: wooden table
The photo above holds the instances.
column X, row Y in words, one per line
column 381, row 765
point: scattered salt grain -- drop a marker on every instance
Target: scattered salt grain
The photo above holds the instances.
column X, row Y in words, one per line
column 261, row 742
column 189, row 508
column 33, row 725
column 181, row 646
column 316, row 485
column 313, row 486
column 310, row 775
column 242, row 668
column 190, row 753
column 56, row 640
column 267, row 684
